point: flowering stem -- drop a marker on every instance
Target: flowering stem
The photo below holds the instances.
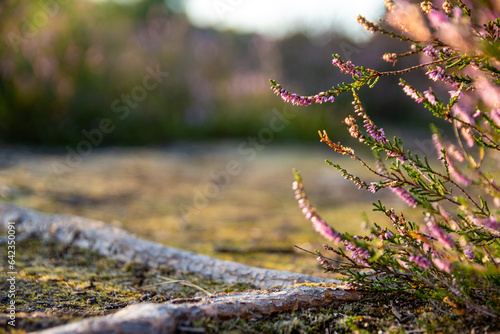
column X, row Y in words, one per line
column 491, row 144
column 324, row 257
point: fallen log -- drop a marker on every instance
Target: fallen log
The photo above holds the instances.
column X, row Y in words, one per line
column 118, row 244
column 166, row 318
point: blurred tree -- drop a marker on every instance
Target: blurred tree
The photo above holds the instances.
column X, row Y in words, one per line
column 65, row 66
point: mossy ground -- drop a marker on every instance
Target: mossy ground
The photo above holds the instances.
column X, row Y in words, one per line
column 179, row 196
column 253, row 220
column 373, row 314
column 56, row 285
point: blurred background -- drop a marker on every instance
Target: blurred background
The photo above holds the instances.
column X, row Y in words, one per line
column 157, row 115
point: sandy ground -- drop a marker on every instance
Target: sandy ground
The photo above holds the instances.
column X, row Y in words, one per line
column 232, row 200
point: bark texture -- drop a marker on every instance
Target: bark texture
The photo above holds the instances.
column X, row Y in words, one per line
column 121, row 245
column 165, row 318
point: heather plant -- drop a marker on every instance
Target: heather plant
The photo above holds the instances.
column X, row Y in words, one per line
column 453, row 253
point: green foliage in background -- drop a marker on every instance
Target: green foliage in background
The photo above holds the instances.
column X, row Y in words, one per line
column 65, row 66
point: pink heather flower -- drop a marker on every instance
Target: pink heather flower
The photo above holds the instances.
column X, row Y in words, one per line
column 347, row 67
column 456, row 93
column 459, row 177
column 437, row 74
column 403, row 264
column 442, row 265
column 373, row 187
column 398, row 155
column 322, row 97
column 454, row 32
column 443, row 213
column 320, row 226
column 475, row 65
column 353, row 128
column 463, row 114
column 410, row 91
column 490, row 223
column 495, row 116
column 374, row 132
column 446, row 216
column 309, row 212
column 429, row 249
column 324, row 264
column 437, row 143
column 456, row 154
column 454, row 173
column 358, row 254
column 302, row 100
column 430, row 51
column 404, row 195
column 390, row 57
column 438, row 233
column 420, row 261
column 384, row 234
column 489, row 93
column 431, row 98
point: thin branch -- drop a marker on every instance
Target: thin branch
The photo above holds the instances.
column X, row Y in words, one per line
column 183, row 282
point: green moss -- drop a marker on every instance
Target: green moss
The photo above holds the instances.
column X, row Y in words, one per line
column 56, row 284
column 373, row 314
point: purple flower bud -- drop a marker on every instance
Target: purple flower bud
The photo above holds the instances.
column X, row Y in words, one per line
column 420, row 261
column 469, row 254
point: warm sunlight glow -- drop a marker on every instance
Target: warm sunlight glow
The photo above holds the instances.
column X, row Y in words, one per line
column 281, row 17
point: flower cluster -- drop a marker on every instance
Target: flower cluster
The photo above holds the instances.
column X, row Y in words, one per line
column 454, row 173
column 369, row 26
column 353, row 128
column 390, row 57
column 430, row 51
column 440, row 235
column 377, row 134
column 427, row 95
column 430, row 97
column 309, row 212
column 439, row 74
column 405, row 196
column 323, row 263
column 411, row 92
column 302, row 100
column 466, row 121
column 420, row 261
column 346, row 67
column 490, row 223
column 358, row 254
